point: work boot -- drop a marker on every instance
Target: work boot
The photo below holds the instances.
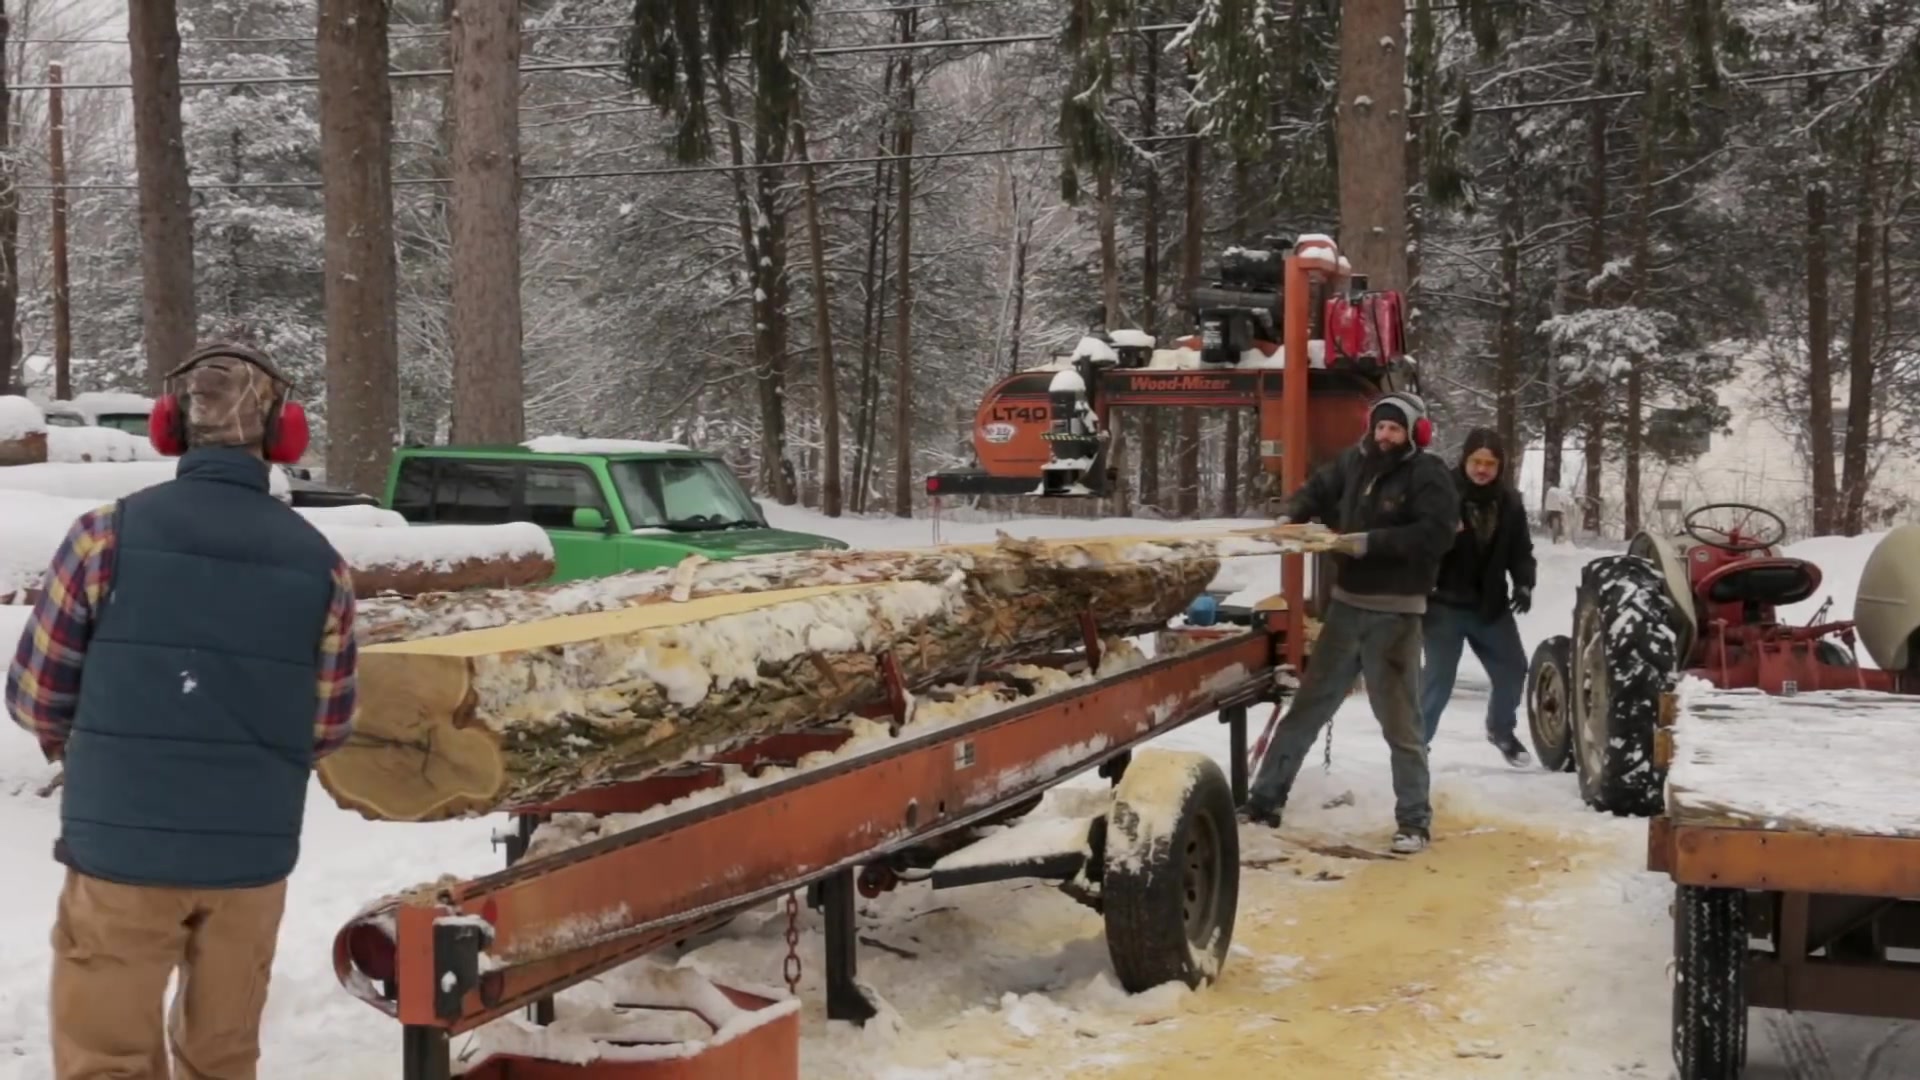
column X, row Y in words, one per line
column 1511, row 749
column 1409, row 840
column 1257, row 815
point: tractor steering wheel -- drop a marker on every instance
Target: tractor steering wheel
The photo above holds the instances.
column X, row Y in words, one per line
column 1734, row 539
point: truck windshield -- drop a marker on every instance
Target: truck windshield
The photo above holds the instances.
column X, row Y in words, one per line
column 683, row 494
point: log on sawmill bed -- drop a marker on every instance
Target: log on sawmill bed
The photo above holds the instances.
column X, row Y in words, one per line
column 1834, row 762
column 561, row 689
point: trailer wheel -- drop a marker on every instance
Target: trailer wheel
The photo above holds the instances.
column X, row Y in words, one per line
column 1623, row 658
column 1171, row 874
column 1550, row 703
column 1710, row 983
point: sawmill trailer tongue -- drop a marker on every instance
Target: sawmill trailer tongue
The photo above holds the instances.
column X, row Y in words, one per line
column 850, row 814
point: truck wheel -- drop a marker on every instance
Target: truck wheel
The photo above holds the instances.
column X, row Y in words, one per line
column 1550, row 705
column 1623, row 659
column 1710, row 982
column 1171, row 874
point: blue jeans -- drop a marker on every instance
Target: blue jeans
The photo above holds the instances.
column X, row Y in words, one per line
column 1446, row 628
column 1385, row 648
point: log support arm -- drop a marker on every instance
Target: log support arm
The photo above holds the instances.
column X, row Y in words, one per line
column 845, row 999
column 1235, row 717
column 425, row 1053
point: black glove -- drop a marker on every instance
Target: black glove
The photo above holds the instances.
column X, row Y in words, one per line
column 1522, row 599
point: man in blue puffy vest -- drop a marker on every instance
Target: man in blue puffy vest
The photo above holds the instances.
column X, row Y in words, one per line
column 189, row 659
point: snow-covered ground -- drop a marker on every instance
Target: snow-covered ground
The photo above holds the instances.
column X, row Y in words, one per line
column 1528, row 942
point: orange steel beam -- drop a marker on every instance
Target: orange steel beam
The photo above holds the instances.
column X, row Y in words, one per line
column 559, row 919
column 1845, row 864
column 1296, row 315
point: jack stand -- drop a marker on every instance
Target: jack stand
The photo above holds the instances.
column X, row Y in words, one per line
column 1235, row 718
column 845, row 1000
column 540, row 1012
column 425, row 1053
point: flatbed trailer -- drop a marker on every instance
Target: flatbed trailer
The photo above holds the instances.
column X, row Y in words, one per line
column 1792, row 834
column 1162, row 864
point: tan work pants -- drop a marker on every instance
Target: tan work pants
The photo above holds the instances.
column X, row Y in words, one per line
column 114, row 947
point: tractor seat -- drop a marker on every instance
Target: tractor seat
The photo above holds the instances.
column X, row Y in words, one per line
column 1774, row 581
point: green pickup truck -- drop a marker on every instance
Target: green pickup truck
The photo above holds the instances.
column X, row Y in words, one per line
column 608, row 505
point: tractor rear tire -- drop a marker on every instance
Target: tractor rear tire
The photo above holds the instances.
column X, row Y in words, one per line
column 1624, row 657
column 1710, row 982
column 1550, row 703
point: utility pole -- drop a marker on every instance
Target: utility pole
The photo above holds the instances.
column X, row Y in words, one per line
column 57, row 167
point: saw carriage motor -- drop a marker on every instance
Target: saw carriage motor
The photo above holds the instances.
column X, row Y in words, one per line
column 1074, row 438
column 1242, row 304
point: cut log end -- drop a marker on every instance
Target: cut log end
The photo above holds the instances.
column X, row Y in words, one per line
column 476, row 572
column 28, row 449
column 413, row 755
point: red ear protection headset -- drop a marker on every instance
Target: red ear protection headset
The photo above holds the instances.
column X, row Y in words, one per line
column 285, row 434
column 1422, row 431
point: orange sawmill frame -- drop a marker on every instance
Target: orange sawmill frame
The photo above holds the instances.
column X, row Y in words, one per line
column 447, row 959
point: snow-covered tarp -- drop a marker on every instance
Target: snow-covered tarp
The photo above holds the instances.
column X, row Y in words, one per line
column 1837, row 761
column 19, row 417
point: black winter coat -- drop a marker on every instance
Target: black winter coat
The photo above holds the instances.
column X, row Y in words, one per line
column 1406, row 505
column 1474, row 574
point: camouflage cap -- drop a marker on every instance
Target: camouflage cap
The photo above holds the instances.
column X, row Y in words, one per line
column 227, row 392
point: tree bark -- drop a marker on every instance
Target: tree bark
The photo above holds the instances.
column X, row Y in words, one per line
column 488, row 380
column 903, row 295
column 1372, row 134
column 822, row 336
column 1193, row 235
column 1594, row 396
column 1109, row 253
column 1820, row 443
column 62, row 284
column 1148, row 446
column 356, row 140
column 168, row 316
column 1853, row 478
column 9, row 222
column 1506, row 377
column 518, row 714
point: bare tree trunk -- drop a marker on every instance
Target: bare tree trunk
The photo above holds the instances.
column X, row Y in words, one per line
column 1372, row 133
column 1022, row 241
column 903, row 295
column 1148, row 447
column 1860, row 353
column 488, row 381
column 1506, row 377
column 1594, row 397
column 1819, row 364
column 168, row 315
column 822, row 335
column 9, row 222
column 62, row 284
column 1631, row 434
column 874, row 286
column 1109, row 255
column 356, row 138
column 1192, row 236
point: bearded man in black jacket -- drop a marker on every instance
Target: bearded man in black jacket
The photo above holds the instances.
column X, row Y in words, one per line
column 1472, row 604
column 1395, row 508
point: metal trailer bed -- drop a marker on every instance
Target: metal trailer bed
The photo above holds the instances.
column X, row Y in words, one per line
column 1792, row 834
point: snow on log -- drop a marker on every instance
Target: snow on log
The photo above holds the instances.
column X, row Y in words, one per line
column 88, row 445
column 23, row 432
column 361, row 516
column 106, row 481
column 383, row 620
column 524, row 712
column 441, row 558
column 434, row 559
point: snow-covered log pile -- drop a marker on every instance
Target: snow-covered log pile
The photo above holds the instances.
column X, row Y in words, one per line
column 540, row 693
column 386, row 555
column 23, row 432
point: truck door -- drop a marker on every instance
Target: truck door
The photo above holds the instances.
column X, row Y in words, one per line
column 553, row 493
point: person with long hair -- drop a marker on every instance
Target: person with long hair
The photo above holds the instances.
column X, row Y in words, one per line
column 1472, row 604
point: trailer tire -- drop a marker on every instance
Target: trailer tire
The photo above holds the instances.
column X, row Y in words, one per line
column 1710, row 982
column 1550, row 703
column 1170, row 877
column 1624, row 657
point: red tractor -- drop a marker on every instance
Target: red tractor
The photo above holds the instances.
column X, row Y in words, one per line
column 1704, row 603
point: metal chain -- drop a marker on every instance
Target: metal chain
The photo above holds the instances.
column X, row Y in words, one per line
column 1329, row 750
column 792, row 968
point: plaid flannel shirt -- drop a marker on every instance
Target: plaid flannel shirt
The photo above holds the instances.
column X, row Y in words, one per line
column 43, row 684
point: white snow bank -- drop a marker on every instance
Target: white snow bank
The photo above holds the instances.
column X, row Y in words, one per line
column 105, row 481
column 19, row 417
column 31, row 528
column 365, row 517
column 81, row 445
column 1835, row 761
column 439, row 546
column 13, row 623
column 565, row 444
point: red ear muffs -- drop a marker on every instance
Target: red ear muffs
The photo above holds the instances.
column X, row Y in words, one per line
column 1422, row 432
column 287, row 434
column 166, row 427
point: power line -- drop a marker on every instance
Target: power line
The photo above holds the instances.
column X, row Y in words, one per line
column 595, row 65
